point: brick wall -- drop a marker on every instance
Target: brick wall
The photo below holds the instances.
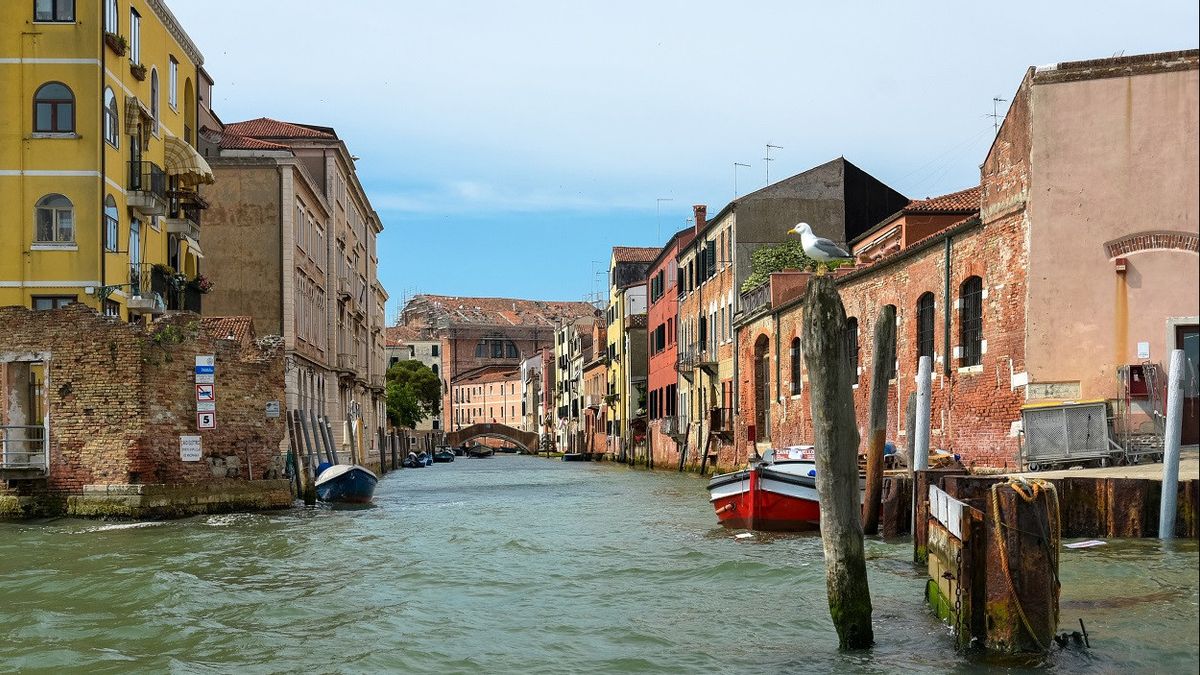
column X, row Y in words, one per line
column 120, row 395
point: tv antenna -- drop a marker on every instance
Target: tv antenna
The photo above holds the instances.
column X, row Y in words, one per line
column 735, row 168
column 996, row 101
column 767, row 160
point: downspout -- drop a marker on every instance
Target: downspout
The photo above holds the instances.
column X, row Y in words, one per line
column 103, row 173
column 946, row 356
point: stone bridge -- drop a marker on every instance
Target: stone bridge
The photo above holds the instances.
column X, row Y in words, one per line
column 526, row 440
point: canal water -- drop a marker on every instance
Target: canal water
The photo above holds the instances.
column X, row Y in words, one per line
column 522, row 564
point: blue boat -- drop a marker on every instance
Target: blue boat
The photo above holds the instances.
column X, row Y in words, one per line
column 347, row 484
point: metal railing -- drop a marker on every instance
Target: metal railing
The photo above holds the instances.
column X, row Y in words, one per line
column 22, row 446
column 148, row 177
column 759, row 296
column 186, row 204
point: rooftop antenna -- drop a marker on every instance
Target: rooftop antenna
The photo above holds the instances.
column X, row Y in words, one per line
column 767, row 160
column 657, row 211
column 735, row 168
column 996, row 101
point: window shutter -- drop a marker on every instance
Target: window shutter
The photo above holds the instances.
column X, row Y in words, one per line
column 712, row 258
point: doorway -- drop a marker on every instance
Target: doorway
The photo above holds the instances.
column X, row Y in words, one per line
column 1187, row 338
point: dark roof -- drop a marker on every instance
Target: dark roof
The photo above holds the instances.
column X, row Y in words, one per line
column 683, row 236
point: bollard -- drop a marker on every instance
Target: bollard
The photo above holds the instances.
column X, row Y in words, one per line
column 1022, row 559
column 1170, row 482
column 924, row 394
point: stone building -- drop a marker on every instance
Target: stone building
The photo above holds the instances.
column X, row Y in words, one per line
column 487, row 395
column 311, row 275
column 479, row 332
column 1032, row 299
column 73, row 440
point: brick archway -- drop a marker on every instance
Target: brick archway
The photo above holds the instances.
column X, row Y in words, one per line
column 527, row 440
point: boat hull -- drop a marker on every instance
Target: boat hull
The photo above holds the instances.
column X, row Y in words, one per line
column 780, row 499
column 346, row 484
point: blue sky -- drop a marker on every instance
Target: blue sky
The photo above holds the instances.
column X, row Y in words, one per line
column 509, row 145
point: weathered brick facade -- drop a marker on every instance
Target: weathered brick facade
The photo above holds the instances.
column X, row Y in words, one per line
column 119, row 396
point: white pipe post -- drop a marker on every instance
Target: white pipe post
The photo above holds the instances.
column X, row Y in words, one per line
column 1170, row 481
column 924, row 404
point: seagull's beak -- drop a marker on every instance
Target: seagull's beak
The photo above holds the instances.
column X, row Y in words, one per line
column 793, row 231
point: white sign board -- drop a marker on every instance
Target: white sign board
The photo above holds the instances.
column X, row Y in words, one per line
column 272, row 408
column 206, row 392
column 205, row 378
column 207, row 360
column 189, row 448
column 206, row 420
column 1143, row 350
column 206, row 406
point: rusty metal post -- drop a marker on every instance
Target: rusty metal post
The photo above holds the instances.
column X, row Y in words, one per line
column 1024, row 536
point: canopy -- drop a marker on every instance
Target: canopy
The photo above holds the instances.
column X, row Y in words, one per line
column 135, row 112
column 193, row 246
column 182, row 160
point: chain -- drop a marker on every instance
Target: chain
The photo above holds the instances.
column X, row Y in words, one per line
column 958, row 617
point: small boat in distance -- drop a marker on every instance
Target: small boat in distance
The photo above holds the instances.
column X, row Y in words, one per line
column 443, row 455
column 479, row 452
column 776, row 493
column 346, row 483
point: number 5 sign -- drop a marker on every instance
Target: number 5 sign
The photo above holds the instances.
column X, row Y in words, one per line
column 206, row 420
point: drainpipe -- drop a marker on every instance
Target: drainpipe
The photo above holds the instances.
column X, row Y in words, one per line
column 103, row 170
column 946, row 356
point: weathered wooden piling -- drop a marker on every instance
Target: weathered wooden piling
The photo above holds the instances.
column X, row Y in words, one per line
column 304, row 478
column 881, row 371
column 1022, row 584
column 835, row 436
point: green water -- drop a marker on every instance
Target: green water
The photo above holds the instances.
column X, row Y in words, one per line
column 520, row 564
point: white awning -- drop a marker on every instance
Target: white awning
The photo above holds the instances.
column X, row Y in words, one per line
column 135, row 112
column 182, row 160
column 193, row 246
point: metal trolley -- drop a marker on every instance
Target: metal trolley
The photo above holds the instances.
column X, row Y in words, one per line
column 1066, row 432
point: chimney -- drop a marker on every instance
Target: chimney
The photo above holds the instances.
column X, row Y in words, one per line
column 701, row 213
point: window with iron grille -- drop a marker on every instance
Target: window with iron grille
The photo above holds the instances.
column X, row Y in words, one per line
column 891, row 367
column 795, row 366
column 971, row 321
column 925, row 318
column 852, row 347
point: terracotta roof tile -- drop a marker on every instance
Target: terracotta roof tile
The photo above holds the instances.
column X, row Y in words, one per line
column 240, row 328
column 446, row 310
column 488, row 374
column 229, row 141
column 964, row 201
column 635, row 253
column 265, row 127
column 397, row 335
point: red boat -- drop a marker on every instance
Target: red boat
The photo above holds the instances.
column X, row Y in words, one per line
column 778, row 493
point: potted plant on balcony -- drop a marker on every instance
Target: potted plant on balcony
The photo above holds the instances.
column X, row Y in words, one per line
column 200, row 284
column 137, row 70
column 117, row 43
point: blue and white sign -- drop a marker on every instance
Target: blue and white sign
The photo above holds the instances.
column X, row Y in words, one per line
column 206, row 365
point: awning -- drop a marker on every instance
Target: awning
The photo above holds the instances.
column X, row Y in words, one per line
column 135, row 111
column 193, row 246
column 182, row 160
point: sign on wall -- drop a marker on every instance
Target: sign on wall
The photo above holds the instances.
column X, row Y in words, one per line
column 272, row 408
column 206, row 420
column 206, row 392
column 189, row 448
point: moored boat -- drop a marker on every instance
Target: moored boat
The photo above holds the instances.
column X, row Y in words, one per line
column 443, row 455
column 777, row 493
column 480, row 451
column 346, row 483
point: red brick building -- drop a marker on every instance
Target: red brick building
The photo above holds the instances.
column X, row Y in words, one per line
column 665, row 429
column 99, row 407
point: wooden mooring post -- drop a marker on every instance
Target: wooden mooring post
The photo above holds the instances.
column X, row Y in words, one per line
column 883, row 362
column 303, row 463
column 835, row 437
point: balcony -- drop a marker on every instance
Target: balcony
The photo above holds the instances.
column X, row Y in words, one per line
column 756, row 298
column 344, row 291
column 593, row 400
column 147, row 192
column 22, row 451
column 720, row 421
column 347, row 364
column 377, row 382
column 183, row 212
column 675, row 426
column 148, row 288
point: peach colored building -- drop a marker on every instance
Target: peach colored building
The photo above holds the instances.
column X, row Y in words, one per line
column 491, row 394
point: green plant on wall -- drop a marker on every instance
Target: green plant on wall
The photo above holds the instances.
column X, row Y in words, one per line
column 776, row 258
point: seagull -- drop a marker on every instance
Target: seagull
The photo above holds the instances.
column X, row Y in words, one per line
column 819, row 249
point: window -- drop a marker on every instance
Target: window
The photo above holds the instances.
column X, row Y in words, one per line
column 891, row 367
column 54, row 109
column 112, row 127
column 52, row 301
column 925, row 318
column 971, row 321
column 55, row 220
column 135, row 36
column 852, row 347
column 110, row 16
column 54, row 10
column 172, row 84
column 154, row 97
column 111, row 224
column 795, row 366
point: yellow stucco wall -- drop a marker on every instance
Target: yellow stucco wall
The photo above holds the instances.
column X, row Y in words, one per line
column 33, row 165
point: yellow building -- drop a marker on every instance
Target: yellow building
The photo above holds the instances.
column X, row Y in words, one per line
column 626, row 318
column 99, row 178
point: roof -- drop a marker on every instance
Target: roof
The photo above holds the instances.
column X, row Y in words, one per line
column 635, row 254
column 488, row 374
column 230, row 141
column 240, row 328
column 679, row 239
column 963, row 201
column 265, row 127
column 398, row 335
column 442, row 311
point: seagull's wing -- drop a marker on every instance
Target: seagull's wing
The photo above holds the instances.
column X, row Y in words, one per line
column 829, row 248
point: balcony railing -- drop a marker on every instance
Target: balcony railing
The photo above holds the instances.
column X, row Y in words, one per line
column 23, row 447
column 147, row 188
column 720, row 420
column 753, row 299
column 347, row 363
column 593, row 400
column 183, row 212
column 377, row 382
column 148, row 289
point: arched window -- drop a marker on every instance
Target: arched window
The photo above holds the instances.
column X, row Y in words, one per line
column 54, row 109
column 55, row 221
column 762, row 388
column 852, row 347
column 795, row 366
column 891, row 367
column 971, row 321
column 925, row 321
column 112, row 129
column 154, row 97
column 111, row 223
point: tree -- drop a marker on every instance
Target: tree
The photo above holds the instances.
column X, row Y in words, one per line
column 414, row 392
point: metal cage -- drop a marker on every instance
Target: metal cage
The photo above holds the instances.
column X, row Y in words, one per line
column 1069, row 432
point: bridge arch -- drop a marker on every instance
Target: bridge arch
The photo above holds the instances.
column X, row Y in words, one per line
column 526, row 440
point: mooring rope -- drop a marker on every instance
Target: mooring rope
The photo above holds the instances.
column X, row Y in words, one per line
column 1028, row 490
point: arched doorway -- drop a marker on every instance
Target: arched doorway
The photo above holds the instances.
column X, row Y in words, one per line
column 762, row 388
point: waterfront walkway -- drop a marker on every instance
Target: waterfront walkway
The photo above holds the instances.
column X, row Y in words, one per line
column 1189, row 469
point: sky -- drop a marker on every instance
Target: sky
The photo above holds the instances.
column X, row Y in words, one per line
column 507, row 146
